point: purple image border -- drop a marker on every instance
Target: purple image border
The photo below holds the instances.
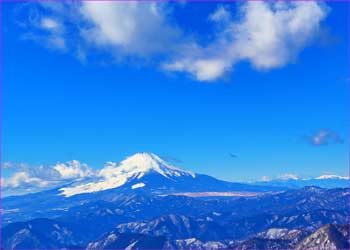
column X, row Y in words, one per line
column 164, row 1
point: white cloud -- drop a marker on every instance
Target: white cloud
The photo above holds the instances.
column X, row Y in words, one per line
column 288, row 177
column 110, row 170
column 8, row 165
column 47, row 30
column 131, row 27
column 271, row 35
column 220, row 15
column 324, row 137
column 24, row 178
column 203, row 69
column 268, row 35
column 49, row 24
column 55, row 37
column 73, row 169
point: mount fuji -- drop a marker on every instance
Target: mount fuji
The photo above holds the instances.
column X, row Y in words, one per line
column 149, row 173
column 137, row 171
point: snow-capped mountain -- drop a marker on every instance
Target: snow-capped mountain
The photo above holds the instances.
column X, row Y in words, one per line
column 332, row 176
column 133, row 169
column 293, row 181
column 148, row 172
column 281, row 233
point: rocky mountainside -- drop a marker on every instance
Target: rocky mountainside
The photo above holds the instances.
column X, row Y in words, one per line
column 177, row 227
column 198, row 223
column 41, row 234
column 128, row 241
column 329, row 237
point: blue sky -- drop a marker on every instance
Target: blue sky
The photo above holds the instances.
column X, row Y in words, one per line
column 178, row 83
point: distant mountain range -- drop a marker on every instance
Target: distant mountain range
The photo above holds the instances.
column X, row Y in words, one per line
column 325, row 181
column 147, row 203
column 273, row 221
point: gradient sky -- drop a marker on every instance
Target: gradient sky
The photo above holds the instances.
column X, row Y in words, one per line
column 58, row 106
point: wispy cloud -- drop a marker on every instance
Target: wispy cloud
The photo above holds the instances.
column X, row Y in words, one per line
column 220, row 15
column 50, row 24
column 288, row 176
column 10, row 165
column 172, row 159
column 265, row 178
column 324, row 137
column 267, row 35
column 129, row 28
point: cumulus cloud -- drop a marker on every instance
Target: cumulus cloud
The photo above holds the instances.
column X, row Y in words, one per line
column 109, row 170
column 268, row 35
column 271, row 35
column 135, row 28
column 73, row 169
column 24, row 178
column 324, row 137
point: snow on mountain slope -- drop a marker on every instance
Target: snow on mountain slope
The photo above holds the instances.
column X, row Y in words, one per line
column 324, row 181
column 282, row 234
column 332, row 176
column 330, row 237
column 138, row 185
column 134, row 167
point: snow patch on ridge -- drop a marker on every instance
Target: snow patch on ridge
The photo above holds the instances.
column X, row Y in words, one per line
column 138, row 185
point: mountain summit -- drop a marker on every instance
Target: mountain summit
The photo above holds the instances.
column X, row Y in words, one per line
column 133, row 170
column 142, row 163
